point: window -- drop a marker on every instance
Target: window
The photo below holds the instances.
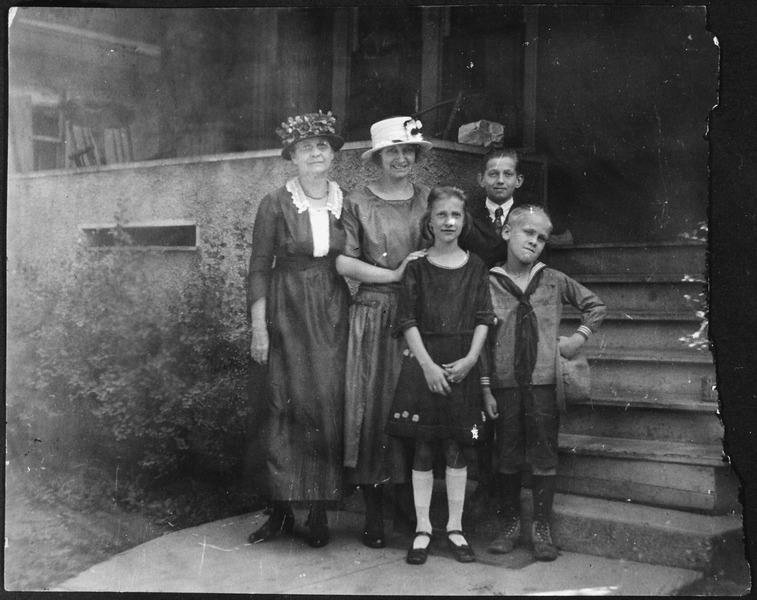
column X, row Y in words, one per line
column 47, row 142
column 170, row 234
column 385, row 66
column 449, row 65
column 483, row 63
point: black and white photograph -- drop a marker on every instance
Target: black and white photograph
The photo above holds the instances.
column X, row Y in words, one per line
column 389, row 299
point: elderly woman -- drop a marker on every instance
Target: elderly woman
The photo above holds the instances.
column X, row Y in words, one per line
column 299, row 311
column 382, row 223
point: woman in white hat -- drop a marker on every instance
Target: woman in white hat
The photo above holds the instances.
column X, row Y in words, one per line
column 298, row 305
column 382, row 223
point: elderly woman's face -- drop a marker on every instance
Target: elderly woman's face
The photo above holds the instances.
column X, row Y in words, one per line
column 312, row 155
column 398, row 161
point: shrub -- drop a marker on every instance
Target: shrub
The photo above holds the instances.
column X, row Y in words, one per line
column 109, row 365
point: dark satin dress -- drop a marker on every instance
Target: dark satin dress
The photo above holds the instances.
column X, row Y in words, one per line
column 301, row 430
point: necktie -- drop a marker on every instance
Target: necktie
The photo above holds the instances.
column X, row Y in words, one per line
column 498, row 213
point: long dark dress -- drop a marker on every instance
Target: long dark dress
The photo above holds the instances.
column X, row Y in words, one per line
column 445, row 305
column 307, row 317
column 381, row 233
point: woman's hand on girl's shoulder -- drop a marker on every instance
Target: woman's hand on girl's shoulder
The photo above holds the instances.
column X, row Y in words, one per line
column 400, row 271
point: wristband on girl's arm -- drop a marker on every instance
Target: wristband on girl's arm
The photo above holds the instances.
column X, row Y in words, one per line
column 584, row 331
column 485, row 382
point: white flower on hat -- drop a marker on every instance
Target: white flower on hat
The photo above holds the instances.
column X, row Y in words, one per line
column 413, row 126
column 394, row 131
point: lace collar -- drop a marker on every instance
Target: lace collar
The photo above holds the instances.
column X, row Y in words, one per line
column 301, row 202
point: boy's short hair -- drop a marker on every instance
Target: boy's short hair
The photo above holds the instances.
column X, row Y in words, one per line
column 521, row 211
column 501, row 153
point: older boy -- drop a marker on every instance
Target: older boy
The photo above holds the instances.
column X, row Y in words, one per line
column 500, row 176
column 518, row 374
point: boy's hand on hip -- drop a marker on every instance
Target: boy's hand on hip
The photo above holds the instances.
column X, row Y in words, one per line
column 569, row 346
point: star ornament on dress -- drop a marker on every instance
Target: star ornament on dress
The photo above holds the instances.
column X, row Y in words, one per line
column 474, row 432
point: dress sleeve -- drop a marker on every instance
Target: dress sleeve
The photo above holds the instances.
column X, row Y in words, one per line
column 592, row 308
column 406, row 316
column 351, row 224
column 263, row 244
column 484, row 310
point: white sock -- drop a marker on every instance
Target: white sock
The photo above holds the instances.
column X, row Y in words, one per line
column 456, row 480
column 423, row 485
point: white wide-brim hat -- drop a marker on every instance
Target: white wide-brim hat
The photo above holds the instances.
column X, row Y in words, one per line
column 395, row 131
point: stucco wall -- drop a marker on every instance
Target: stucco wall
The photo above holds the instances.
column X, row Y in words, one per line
column 220, row 193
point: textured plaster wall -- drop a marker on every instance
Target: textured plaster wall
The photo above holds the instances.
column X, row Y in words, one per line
column 220, row 193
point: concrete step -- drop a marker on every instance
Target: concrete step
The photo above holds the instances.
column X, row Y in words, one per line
column 658, row 259
column 637, row 330
column 651, row 373
column 624, row 530
column 629, row 420
column 683, row 476
column 640, row 293
column 664, row 402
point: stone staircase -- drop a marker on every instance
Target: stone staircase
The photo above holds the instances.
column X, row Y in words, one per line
column 642, row 474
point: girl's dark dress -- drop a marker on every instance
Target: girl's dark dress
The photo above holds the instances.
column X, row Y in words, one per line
column 446, row 305
column 301, row 428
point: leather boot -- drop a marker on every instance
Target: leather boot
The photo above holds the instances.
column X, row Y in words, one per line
column 543, row 487
column 318, row 525
column 509, row 488
column 404, row 508
column 280, row 521
column 373, row 531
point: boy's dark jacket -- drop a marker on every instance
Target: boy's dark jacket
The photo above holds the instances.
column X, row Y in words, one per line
column 482, row 239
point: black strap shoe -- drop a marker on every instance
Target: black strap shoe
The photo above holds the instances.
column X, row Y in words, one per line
column 418, row 556
column 462, row 553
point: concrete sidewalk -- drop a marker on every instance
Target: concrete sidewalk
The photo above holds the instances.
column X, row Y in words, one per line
column 216, row 557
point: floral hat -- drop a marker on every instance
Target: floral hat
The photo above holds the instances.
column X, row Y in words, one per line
column 308, row 126
column 395, row 131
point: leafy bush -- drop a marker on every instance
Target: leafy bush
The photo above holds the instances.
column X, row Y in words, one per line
column 699, row 303
column 110, row 365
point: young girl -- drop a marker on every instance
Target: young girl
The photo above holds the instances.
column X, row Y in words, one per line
column 444, row 312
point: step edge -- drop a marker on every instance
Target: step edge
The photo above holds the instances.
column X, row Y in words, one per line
column 682, row 356
column 632, row 403
column 669, row 519
column 701, row 244
column 639, row 277
column 633, row 316
column 668, row 452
